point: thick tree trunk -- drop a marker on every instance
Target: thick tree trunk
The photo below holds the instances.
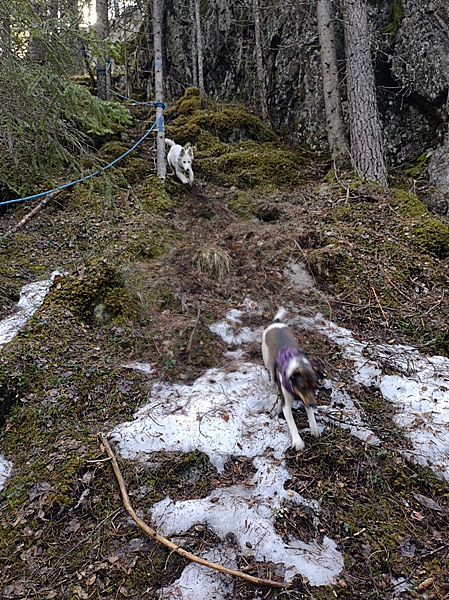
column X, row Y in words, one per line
column 159, row 86
column 336, row 132
column 262, row 88
column 365, row 132
column 199, row 47
column 103, row 71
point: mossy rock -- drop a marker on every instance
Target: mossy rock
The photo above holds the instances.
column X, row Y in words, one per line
column 111, row 151
column 425, row 230
column 155, row 198
column 227, row 123
column 95, row 292
column 332, row 262
column 252, row 165
column 188, row 104
column 241, row 205
column 232, row 123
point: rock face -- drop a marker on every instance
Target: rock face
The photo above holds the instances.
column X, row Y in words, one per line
column 410, row 46
column 421, row 53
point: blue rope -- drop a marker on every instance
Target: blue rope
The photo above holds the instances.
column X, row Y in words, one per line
column 67, row 185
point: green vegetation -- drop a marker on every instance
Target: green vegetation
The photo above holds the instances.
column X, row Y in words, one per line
column 147, row 268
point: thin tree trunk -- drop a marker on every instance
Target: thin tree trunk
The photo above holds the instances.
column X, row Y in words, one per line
column 336, row 132
column 259, row 63
column 159, row 86
column 103, row 71
column 365, row 132
column 199, row 47
column 194, row 51
column 36, row 48
column 5, row 33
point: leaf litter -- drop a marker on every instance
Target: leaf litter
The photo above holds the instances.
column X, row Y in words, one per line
column 367, row 490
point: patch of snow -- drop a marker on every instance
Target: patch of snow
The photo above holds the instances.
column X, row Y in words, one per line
column 230, row 329
column 419, row 390
column 249, row 512
column 228, row 413
column 31, row 297
column 221, row 414
column 299, row 275
column 225, row 414
column 5, row 471
column 201, row 583
column 138, row 366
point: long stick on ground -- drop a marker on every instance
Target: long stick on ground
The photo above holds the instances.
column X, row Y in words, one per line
column 174, row 547
column 36, row 210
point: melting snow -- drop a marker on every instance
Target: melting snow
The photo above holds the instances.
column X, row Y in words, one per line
column 228, row 413
column 5, row 471
column 225, row 414
column 31, row 297
column 419, row 390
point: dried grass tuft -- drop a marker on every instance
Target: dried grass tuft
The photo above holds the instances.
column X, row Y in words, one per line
column 213, row 261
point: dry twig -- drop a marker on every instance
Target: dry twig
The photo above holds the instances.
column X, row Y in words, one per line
column 174, row 547
column 189, row 345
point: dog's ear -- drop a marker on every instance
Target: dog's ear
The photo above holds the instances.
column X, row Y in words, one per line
column 190, row 151
column 182, row 152
column 318, row 367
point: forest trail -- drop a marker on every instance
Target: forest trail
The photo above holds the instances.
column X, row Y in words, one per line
column 147, row 272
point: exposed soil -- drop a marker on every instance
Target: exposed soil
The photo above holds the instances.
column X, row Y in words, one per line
column 138, row 288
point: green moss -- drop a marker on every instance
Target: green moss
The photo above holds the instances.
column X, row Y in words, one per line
column 253, row 166
column 232, row 123
column 242, row 205
column 420, row 164
column 396, row 16
column 155, row 198
column 424, row 229
column 95, row 290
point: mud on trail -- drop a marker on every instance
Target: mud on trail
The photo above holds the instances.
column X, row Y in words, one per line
column 147, row 269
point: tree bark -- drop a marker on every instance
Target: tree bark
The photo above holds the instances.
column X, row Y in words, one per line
column 103, row 71
column 336, row 132
column 199, row 47
column 262, row 88
column 159, row 86
column 365, row 131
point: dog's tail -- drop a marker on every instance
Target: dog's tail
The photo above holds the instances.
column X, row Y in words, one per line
column 169, row 142
column 280, row 315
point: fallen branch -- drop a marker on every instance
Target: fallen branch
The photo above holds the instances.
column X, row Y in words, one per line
column 174, row 547
column 189, row 345
column 380, row 307
column 36, row 210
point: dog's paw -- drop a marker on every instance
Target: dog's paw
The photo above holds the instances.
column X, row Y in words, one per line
column 315, row 431
column 297, row 443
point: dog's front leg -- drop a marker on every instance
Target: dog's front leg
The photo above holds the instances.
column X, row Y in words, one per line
column 297, row 443
column 314, row 430
column 182, row 177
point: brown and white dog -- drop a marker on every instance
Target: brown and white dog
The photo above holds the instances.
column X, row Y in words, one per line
column 297, row 377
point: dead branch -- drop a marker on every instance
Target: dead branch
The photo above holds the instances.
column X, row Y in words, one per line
column 189, row 345
column 162, row 540
column 380, row 306
column 36, row 210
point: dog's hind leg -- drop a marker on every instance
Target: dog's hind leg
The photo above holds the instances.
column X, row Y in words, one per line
column 297, row 442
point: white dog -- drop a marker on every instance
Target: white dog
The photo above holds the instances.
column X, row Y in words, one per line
column 180, row 160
